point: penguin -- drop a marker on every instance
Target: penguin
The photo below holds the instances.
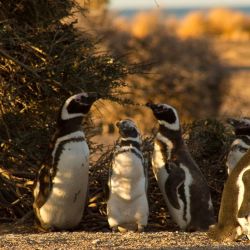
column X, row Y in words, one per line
column 241, row 143
column 127, row 204
column 60, row 189
column 233, row 220
column 180, row 180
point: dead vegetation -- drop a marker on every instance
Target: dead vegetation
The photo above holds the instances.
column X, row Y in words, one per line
column 43, row 61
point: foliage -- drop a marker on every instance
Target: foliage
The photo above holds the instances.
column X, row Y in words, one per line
column 43, row 61
column 93, row 4
column 34, row 13
column 209, row 142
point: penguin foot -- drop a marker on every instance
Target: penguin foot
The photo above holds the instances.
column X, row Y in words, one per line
column 141, row 228
column 43, row 228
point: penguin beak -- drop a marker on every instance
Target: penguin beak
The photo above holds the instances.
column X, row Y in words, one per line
column 118, row 124
column 232, row 121
column 151, row 105
column 93, row 96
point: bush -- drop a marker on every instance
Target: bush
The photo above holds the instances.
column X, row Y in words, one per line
column 209, row 141
column 43, row 61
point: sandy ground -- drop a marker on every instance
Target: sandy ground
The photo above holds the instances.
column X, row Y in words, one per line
column 25, row 236
column 97, row 240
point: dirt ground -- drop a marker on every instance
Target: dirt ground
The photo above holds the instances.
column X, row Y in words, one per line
column 17, row 237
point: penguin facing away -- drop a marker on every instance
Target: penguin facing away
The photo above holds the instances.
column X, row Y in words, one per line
column 127, row 205
column 60, row 190
column 180, row 180
column 241, row 143
column 233, row 220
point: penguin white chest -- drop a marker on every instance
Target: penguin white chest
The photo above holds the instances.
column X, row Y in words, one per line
column 158, row 165
column 127, row 202
column 127, row 178
column 65, row 205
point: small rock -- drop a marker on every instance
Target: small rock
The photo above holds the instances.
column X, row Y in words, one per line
column 97, row 241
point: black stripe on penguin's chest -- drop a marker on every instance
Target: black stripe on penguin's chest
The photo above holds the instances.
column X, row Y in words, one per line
column 180, row 191
column 48, row 172
column 61, row 148
column 134, row 147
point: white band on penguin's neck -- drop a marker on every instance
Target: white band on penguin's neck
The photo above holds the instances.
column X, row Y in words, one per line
column 175, row 126
column 166, row 141
column 136, row 139
column 66, row 116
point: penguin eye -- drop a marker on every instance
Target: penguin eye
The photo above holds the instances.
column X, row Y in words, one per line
column 78, row 99
column 132, row 132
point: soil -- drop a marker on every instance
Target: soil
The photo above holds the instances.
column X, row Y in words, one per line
column 13, row 236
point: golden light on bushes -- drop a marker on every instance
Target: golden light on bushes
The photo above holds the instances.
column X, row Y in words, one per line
column 228, row 24
column 217, row 23
column 145, row 23
column 194, row 25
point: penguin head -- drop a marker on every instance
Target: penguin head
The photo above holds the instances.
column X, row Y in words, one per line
column 127, row 128
column 166, row 115
column 241, row 126
column 78, row 105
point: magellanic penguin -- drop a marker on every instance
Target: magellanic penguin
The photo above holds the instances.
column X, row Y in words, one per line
column 241, row 143
column 180, row 180
column 62, row 183
column 127, row 205
column 233, row 220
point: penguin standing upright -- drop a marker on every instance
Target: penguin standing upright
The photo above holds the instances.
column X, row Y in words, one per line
column 233, row 220
column 180, row 180
column 61, row 186
column 241, row 143
column 127, row 205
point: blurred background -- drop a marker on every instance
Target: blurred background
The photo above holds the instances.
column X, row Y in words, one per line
column 194, row 55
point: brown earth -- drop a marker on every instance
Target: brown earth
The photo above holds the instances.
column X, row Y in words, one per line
column 17, row 237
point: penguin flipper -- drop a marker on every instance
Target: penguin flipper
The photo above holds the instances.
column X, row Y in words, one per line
column 174, row 181
column 44, row 182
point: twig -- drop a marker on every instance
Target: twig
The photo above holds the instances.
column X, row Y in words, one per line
column 4, row 123
column 20, row 63
column 27, row 216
